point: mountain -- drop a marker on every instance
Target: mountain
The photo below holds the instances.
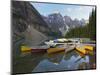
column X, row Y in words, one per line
column 62, row 24
column 28, row 26
column 24, row 16
column 68, row 21
column 76, row 22
column 55, row 21
column 64, row 29
column 83, row 22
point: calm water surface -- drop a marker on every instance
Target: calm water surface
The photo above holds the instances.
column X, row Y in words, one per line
column 43, row 62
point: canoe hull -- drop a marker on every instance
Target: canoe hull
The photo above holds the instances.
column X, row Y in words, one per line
column 86, row 49
column 83, row 51
column 29, row 49
column 25, row 49
column 54, row 50
column 38, row 50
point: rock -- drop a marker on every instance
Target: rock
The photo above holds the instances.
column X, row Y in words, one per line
column 24, row 15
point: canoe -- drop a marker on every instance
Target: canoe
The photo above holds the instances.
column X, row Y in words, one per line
column 70, row 48
column 89, row 47
column 38, row 50
column 54, row 50
column 79, row 53
column 85, row 49
column 81, row 50
column 32, row 49
column 25, row 48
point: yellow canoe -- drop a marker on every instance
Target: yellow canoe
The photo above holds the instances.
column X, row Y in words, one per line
column 81, row 50
column 25, row 48
column 88, row 47
column 85, row 49
column 54, row 50
column 79, row 53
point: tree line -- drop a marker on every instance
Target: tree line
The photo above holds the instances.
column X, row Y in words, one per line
column 87, row 31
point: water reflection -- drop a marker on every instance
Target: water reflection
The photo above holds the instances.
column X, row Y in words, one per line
column 28, row 62
column 68, row 61
column 43, row 62
column 55, row 57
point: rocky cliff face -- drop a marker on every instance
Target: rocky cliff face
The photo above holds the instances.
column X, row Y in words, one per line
column 56, row 20
column 27, row 26
column 24, row 16
column 62, row 23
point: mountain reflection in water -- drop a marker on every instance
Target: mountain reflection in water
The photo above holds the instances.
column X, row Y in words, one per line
column 43, row 62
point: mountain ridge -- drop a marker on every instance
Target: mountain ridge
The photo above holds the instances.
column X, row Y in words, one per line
column 57, row 22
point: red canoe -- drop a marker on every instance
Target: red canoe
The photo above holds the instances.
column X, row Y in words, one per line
column 38, row 50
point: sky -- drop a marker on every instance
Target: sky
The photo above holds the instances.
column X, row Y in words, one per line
column 74, row 11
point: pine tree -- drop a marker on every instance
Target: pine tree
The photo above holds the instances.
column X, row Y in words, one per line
column 88, row 31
